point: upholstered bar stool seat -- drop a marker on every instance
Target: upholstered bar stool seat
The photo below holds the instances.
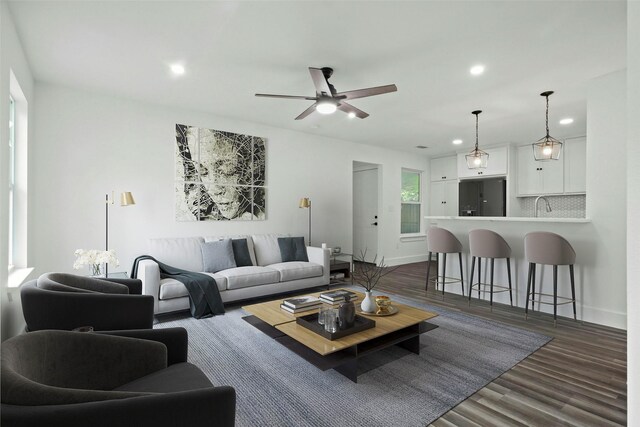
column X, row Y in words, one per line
column 542, row 247
column 442, row 241
column 489, row 245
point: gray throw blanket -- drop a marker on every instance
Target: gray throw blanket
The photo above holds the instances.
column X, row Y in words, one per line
column 204, row 296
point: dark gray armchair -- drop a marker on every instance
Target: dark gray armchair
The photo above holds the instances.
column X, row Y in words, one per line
column 67, row 301
column 140, row 378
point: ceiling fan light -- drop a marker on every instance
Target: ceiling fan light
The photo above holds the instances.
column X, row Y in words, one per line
column 351, row 115
column 326, row 107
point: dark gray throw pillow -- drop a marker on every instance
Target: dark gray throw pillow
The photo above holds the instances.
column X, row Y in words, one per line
column 241, row 253
column 217, row 256
column 292, row 249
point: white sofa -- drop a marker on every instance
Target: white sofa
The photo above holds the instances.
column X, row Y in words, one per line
column 268, row 275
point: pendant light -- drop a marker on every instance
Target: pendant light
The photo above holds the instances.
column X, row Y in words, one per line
column 547, row 148
column 477, row 159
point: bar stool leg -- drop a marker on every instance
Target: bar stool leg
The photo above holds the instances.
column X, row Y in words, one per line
column 426, row 285
column 573, row 291
column 509, row 277
column 473, row 264
column 444, row 271
column 555, row 294
column 491, row 288
column 533, row 288
column 437, row 281
column 526, row 306
column 479, row 275
column 461, row 279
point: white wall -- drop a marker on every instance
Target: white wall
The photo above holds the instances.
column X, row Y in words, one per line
column 633, row 207
column 89, row 144
column 12, row 58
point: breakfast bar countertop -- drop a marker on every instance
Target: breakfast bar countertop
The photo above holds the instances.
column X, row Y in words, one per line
column 508, row 219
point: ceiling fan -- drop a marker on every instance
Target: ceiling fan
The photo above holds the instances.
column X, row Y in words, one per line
column 328, row 100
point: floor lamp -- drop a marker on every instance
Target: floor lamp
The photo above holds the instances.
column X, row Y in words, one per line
column 126, row 199
column 305, row 203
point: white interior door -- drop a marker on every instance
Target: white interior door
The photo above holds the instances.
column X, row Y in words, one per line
column 365, row 213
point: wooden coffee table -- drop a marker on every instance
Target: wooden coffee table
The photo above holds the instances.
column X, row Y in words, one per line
column 402, row 329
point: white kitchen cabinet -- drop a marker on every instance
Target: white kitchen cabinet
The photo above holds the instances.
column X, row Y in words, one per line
column 443, row 200
column 536, row 177
column 496, row 164
column 575, row 165
column 444, row 168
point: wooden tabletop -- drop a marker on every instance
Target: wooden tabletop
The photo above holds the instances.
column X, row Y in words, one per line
column 271, row 313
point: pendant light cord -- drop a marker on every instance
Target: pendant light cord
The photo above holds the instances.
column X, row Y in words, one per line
column 547, row 121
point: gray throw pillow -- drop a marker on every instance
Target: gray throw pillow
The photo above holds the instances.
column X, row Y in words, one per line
column 241, row 253
column 292, row 249
column 217, row 256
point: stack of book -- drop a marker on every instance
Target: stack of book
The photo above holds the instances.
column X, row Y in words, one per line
column 301, row 304
column 335, row 298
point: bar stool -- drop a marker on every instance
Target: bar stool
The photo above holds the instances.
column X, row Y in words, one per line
column 491, row 245
column 542, row 247
column 443, row 242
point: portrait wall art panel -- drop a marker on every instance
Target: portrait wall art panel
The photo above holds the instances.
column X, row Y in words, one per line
column 220, row 176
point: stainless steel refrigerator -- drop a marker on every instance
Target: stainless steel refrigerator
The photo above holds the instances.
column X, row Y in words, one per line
column 483, row 197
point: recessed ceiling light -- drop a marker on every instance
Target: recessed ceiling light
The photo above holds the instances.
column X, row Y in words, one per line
column 476, row 70
column 422, row 147
column 177, row 69
column 566, row 121
column 352, row 115
column 457, row 141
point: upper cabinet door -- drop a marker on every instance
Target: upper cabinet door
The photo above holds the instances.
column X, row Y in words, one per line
column 575, row 165
column 444, row 168
column 496, row 164
column 537, row 178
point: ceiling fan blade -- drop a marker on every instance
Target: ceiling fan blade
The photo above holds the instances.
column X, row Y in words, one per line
column 266, row 95
column 308, row 111
column 348, row 108
column 319, row 81
column 363, row 93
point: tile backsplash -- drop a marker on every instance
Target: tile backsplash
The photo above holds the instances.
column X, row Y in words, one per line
column 574, row 206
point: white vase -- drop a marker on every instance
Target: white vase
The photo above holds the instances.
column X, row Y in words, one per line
column 368, row 304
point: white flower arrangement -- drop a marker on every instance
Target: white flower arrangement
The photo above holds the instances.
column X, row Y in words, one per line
column 94, row 258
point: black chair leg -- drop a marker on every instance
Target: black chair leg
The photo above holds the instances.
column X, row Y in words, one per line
column 479, row 275
column 526, row 305
column 461, row 278
column 533, row 288
column 509, row 277
column 444, row 272
column 491, row 288
column 555, row 294
column 437, row 281
column 426, row 285
column 473, row 264
column 573, row 291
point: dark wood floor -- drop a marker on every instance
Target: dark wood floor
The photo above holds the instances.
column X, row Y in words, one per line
column 577, row 379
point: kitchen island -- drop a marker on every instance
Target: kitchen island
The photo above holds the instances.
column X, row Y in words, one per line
column 593, row 296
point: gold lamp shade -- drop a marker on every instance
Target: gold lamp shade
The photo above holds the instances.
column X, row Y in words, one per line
column 126, row 199
column 305, row 202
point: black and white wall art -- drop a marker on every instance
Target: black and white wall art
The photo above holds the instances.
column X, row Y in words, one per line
column 219, row 175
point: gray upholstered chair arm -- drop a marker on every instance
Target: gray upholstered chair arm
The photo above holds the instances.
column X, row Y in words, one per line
column 176, row 340
column 320, row 256
column 45, row 309
column 203, row 407
column 134, row 285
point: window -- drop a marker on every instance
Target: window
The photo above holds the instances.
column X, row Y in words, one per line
column 411, row 199
column 12, row 180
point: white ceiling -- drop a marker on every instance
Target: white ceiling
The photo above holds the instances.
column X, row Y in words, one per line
column 232, row 50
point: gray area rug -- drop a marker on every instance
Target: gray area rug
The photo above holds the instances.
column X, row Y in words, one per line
column 276, row 387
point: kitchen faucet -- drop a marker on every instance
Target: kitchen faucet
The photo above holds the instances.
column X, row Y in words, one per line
column 536, row 205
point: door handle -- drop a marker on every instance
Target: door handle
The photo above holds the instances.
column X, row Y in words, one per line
column 374, row 223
